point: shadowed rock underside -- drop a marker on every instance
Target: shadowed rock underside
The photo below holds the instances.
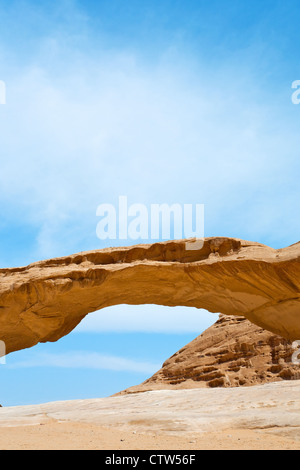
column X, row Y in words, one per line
column 46, row 300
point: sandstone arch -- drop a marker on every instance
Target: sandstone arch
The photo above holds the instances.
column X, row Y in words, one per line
column 46, row 300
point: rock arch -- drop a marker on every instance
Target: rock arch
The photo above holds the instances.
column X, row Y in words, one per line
column 46, row 300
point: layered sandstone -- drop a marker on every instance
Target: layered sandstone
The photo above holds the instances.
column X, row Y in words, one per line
column 232, row 353
column 46, row 300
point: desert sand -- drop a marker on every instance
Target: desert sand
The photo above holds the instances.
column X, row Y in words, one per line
column 74, row 436
column 259, row 417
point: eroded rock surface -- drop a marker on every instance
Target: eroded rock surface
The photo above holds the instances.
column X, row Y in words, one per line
column 232, row 353
column 267, row 410
column 46, row 300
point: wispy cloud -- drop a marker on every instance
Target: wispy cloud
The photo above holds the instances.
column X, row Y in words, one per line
column 83, row 360
column 169, row 133
column 147, row 318
column 87, row 124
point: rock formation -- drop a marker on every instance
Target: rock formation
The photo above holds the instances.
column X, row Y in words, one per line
column 46, row 300
column 232, row 353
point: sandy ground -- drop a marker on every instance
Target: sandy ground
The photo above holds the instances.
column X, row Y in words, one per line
column 259, row 417
column 74, row 436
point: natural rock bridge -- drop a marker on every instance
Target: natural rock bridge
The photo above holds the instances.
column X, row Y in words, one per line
column 46, row 300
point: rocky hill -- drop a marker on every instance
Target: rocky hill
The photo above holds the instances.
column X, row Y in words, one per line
column 232, row 353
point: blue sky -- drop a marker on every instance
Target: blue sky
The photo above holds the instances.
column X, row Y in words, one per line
column 165, row 102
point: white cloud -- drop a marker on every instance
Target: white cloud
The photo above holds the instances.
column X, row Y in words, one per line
column 84, row 130
column 84, row 360
column 147, row 319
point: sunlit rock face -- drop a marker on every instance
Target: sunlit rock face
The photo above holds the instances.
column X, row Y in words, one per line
column 46, row 300
column 232, row 353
